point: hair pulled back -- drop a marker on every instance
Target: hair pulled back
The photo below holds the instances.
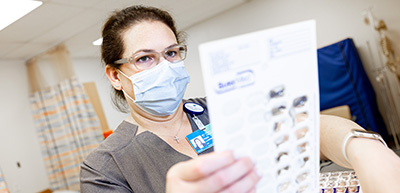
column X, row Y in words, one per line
column 113, row 45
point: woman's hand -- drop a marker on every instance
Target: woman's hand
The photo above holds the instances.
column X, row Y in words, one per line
column 214, row 172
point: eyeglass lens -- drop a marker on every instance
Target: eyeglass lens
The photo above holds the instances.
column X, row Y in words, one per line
column 149, row 59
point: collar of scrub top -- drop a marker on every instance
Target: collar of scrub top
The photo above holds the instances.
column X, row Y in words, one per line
column 194, row 109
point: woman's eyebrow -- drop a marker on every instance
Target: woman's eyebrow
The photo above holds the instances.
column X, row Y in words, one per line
column 143, row 50
column 150, row 50
column 171, row 46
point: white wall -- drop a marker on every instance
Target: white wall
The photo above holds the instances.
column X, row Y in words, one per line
column 18, row 141
column 336, row 20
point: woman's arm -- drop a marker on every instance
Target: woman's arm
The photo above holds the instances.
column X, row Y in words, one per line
column 377, row 167
column 333, row 131
column 93, row 181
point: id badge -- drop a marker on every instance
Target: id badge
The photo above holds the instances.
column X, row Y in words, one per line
column 201, row 140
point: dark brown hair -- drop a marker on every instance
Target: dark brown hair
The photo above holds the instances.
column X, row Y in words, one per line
column 113, row 46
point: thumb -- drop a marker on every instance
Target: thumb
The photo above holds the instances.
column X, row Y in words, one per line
column 201, row 166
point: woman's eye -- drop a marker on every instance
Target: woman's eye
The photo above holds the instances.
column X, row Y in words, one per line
column 143, row 59
column 171, row 54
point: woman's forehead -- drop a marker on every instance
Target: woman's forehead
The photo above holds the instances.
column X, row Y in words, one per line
column 150, row 35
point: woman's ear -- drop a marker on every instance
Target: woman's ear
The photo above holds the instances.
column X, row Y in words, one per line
column 112, row 74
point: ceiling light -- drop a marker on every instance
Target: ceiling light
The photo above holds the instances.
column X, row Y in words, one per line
column 12, row 10
column 98, row 42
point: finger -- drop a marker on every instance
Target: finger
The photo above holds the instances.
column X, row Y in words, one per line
column 228, row 175
column 245, row 184
column 201, row 166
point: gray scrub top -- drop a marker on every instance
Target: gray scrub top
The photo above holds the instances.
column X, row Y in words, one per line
column 126, row 162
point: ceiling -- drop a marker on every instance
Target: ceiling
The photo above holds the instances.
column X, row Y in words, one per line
column 77, row 23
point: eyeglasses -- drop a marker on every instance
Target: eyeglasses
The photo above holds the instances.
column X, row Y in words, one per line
column 146, row 59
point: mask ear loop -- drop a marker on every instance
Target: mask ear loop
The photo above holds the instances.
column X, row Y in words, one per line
column 126, row 94
column 123, row 74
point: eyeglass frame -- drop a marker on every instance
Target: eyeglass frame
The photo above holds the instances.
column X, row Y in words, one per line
column 134, row 56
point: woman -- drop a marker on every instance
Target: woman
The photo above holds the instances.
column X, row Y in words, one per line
column 199, row 144
column 144, row 54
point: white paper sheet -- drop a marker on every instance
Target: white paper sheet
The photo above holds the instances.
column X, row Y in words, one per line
column 263, row 101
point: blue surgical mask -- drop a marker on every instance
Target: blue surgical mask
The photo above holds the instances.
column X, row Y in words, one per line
column 159, row 90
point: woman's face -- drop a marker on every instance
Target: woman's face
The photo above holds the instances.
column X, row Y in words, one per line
column 146, row 35
column 198, row 143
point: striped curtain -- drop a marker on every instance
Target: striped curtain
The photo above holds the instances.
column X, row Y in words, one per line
column 68, row 129
column 3, row 185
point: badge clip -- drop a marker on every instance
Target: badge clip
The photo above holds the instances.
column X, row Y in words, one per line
column 195, row 109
